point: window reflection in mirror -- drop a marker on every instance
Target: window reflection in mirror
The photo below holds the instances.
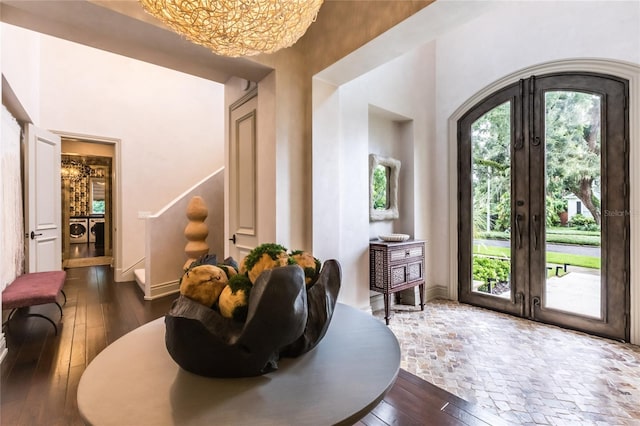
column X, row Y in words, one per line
column 381, row 187
column 97, row 187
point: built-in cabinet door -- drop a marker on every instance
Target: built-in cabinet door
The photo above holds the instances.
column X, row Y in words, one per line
column 543, row 202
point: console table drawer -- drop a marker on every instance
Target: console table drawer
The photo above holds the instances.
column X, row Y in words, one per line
column 407, row 253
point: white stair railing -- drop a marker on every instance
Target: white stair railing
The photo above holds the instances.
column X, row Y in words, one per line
column 165, row 240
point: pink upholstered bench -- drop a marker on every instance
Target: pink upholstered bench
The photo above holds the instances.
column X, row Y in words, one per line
column 35, row 288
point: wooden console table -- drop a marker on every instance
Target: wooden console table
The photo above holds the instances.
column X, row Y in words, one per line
column 134, row 381
column 395, row 266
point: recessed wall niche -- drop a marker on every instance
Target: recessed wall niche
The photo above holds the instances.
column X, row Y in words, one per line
column 391, row 135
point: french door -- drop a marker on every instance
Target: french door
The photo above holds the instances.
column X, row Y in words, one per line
column 543, row 213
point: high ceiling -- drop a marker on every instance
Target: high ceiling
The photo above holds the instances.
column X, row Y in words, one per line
column 122, row 27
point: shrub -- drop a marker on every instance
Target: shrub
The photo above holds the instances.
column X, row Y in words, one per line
column 486, row 267
column 583, row 223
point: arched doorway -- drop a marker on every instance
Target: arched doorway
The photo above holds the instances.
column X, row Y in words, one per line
column 524, row 152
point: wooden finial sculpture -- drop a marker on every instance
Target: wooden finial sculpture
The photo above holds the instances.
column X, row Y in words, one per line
column 196, row 230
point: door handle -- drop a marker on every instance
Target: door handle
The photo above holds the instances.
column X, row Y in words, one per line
column 535, row 301
column 233, row 238
column 519, row 219
column 536, row 230
column 34, row 235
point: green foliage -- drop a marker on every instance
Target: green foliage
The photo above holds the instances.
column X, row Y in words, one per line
column 567, row 236
column 572, row 136
column 380, row 188
column 572, row 231
column 503, row 210
column 273, row 250
column 240, row 282
column 552, row 257
column 583, row 223
column 572, row 144
column 554, row 206
column 491, row 167
column 485, row 268
column 98, row 206
column 574, row 239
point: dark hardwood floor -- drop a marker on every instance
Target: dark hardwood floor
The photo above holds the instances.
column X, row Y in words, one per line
column 40, row 374
column 81, row 250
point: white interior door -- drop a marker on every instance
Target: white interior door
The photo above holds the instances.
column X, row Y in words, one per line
column 42, row 200
column 243, row 207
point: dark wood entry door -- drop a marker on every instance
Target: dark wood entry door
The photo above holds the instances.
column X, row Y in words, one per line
column 543, row 202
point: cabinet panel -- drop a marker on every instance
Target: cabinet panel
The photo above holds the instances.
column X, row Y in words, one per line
column 398, row 275
column 414, row 271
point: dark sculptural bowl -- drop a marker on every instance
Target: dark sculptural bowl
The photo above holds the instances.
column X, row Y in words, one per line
column 284, row 319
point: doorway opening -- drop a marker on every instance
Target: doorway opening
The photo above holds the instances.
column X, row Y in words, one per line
column 543, row 174
column 87, row 172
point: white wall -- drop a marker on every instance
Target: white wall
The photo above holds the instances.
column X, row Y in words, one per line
column 402, row 87
column 20, row 51
column 165, row 239
column 170, row 125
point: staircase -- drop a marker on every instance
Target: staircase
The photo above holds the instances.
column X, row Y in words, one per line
column 165, row 240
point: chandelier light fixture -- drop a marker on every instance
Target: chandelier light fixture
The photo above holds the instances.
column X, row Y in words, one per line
column 237, row 27
column 74, row 171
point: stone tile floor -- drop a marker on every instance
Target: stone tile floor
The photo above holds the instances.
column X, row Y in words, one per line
column 524, row 372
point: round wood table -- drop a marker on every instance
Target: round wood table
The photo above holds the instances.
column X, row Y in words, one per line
column 134, row 381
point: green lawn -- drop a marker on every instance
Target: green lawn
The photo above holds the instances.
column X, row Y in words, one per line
column 556, row 258
column 555, row 235
column 571, row 231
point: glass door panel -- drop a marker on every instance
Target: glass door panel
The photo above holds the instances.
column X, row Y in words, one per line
column 491, row 201
column 573, row 199
column 543, row 204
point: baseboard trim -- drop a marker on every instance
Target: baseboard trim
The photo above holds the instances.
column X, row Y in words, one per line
column 376, row 300
column 164, row 289
column 120, row 276
column 436, row 292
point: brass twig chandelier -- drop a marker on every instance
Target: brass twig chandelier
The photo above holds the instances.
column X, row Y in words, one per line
column 74, row 170
column 237, row 27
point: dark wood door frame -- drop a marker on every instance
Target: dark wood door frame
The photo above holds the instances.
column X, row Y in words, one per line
column 528, row 261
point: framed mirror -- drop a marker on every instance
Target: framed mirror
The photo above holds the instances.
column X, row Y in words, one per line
column 383, row 188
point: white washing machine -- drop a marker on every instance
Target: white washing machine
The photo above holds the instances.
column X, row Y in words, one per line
column 92, row 229
column 78, row 230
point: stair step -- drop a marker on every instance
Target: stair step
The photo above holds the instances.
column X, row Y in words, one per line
column 139, row 274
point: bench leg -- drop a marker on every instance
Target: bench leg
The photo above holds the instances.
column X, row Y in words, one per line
column 65, row 302
column 55, row 327
column 14, row 310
